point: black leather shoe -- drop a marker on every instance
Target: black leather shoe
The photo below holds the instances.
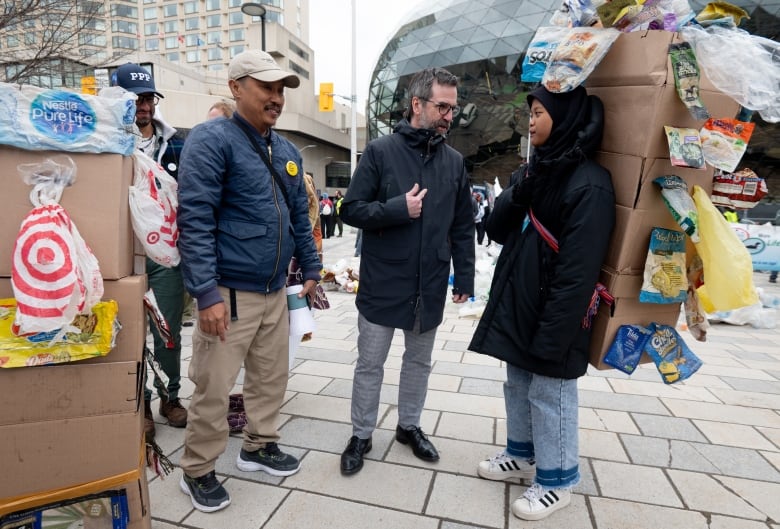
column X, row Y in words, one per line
column 352, row 457
column 421, row 446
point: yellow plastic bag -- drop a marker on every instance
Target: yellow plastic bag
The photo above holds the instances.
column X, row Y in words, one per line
column 728, row 268
column 97, row 338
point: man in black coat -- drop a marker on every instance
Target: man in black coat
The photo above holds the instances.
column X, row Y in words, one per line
column 406, row 254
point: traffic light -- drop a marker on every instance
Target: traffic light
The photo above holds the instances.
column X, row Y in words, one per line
column 326, row 97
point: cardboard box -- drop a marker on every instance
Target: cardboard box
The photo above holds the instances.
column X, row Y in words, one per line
column 128, row 293
column 625, row 285
column 66, row 391
column 48, row 455
column 632, row 178
column 626, row 311
column 634, row 116
column 640, row 58
column 97, row 203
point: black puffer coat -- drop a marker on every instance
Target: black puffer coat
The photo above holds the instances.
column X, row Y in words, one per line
column 538, row 298
column 405, row 263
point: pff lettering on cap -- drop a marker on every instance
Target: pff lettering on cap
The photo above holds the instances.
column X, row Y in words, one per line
column 261, row 66
column 134, row 78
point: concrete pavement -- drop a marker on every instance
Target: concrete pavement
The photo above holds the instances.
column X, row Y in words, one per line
column 696, row 455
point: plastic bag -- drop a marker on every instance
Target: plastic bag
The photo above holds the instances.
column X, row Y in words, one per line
column 153, row 204
column 741, row 65
column 575, row 58
column 540, row 52
column 728, row 268
column 742, row 189
column 686, row 78
column 684, row 147
column 54, row 274
column 674, row 191
column 90, row 335
column 627, row 348
column 724, row 141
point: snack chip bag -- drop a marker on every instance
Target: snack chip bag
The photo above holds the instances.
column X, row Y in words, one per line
column 575, row 58
column 674, row 191
column 673, row 359
column 684, row 147
column 724, row 141
column 627, row 348
column 665, row 280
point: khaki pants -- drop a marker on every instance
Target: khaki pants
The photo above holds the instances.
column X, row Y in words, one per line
column 259, row 340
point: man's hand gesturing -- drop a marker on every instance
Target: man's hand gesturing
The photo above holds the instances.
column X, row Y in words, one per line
column 414, row 200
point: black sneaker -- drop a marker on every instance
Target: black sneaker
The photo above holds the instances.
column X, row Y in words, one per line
column 268, row 459
column 206, row 492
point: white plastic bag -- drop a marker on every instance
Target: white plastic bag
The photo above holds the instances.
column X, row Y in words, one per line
column 743, row 66
column 153, row 204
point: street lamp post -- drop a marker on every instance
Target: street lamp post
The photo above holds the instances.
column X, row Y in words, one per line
column 256, row 10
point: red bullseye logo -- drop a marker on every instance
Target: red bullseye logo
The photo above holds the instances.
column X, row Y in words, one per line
column 153, row 237
column 44, row 277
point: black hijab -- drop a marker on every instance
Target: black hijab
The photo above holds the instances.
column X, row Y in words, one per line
column 569, row 113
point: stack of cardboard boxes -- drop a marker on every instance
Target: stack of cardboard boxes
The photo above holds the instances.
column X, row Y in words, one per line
column 70, row 430
column 635, row 82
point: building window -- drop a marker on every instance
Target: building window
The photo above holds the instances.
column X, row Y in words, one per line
column 152, row 44
column 124, row 26
column 11, row 41
column 213, row 21
column 300, row 52
column 274, row 16
column 191, row 23
column 92, row 39
column 173, row 56
column 190, row 7
column 237, row 17
column 127, row 43
column 169, row 10
column 213, row 5
column 215, row 67
column 337, row 174
column 235, row 50
column 151, row 29
column 191, row 40
column 150, row 13
column 235, row 3
column 297, row 69
column 119, row 10
column 236, row 35
column 171, row 43
column 214, row 37
column 29, row 38
column 193, row 56
column 215, row 54
column 171, row 26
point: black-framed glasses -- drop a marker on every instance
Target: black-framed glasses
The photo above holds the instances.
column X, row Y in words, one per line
column 149, row 99
column 444, row 108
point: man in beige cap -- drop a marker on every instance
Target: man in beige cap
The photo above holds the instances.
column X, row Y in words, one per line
column 243, row 213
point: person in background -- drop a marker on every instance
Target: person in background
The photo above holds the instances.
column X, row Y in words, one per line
column 339, row 198
column 221, row 109
column 479, row 218
column 410, row 196
column 731, row 214
column 161, row 142
column 537, row 318
column 314, row 211
column 773, row 273
column 326, row 216
column 243, row 214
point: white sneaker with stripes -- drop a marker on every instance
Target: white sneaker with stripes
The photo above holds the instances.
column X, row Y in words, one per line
column 501, row 467
column 537, row 503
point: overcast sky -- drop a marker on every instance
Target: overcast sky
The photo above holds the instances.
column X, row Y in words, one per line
column 331, row 39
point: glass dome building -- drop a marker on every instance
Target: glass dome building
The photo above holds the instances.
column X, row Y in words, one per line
column 483, row 42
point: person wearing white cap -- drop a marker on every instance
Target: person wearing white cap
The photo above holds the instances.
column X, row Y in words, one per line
column 243, row 214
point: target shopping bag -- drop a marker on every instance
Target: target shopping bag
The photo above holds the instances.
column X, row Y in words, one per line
column 54, row 274
column 153, row 204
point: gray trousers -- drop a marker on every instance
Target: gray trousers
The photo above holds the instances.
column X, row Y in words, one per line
column 373, row 346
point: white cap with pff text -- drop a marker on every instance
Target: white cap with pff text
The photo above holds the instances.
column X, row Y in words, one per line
column 261, row 66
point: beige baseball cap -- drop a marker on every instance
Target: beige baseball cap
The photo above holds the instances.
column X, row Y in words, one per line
column 261, row 66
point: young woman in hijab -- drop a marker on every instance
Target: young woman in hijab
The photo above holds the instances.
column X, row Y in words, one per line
column 535, row 318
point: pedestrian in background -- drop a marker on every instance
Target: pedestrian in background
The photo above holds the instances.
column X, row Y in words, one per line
column 410, row 196
column 337, row 212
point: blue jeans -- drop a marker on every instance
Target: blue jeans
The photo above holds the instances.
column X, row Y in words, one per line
column 541, row 423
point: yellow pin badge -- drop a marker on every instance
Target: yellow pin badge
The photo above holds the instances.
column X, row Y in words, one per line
column 292, row 168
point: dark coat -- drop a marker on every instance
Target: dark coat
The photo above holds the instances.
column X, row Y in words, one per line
column 538, row 298
column 405, row 263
